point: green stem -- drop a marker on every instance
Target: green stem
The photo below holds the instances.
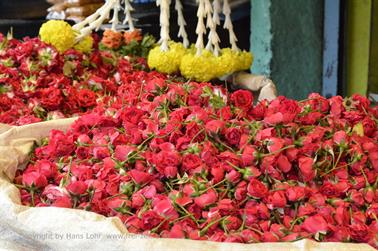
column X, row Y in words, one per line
column 278, row 151
column 205, row 229
column 32, row 197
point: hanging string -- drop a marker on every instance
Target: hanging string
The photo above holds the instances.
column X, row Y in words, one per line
column 212, row 22
column 128, row 18
column 181, row 23
column 200, row 29
column 228, row 25
column 164, row 23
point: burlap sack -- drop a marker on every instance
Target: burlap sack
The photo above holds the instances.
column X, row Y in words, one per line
column 25, row 228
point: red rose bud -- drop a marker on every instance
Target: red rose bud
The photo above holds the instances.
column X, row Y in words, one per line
column 269, row 237
column 295, row 193
column 166, row 209
column 232, row 223
column 34, row 179
column 215, row 126
column 84, row 139
column 275, row 144
column 170, row 171
column 357, row 198
column 369, row 194
column 340, row 138
column 305, row 166
column 217, row 173
column 315, row 224
column 283, row 163
column 140, row 178
column 257, row 189
column 77, row 187
column 233, row 176
column 64, row 202
column 176, row 232
column 122, row 151
column 341, row 215
column 276, row 199
column 242, row 99
column 206, row 199
column 248, row 155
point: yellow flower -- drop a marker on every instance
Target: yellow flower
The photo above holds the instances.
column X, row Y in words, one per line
column 166, row 61
column 244, row 60
column 58, row 34
column 226, row 62
column 85, row 45
column 200, row 68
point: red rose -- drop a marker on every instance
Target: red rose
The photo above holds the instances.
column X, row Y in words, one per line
column 242, row 99
column 369, row 126
column 206, row 199
column 60, row 144
column 305, row 166
column 166, row 158
column 232, row 223
column 51, row 98
column 337, row 107
column 258, row 112
column 122, row 151
column 47, row 168
column 164, row 208
column 101, row 152
column 277, row 200
column 359, row 232
column 315, row 224
column 295, row 193
column 233, row 176
column 341, row 215
column 328, row 189
column 215, row 126
column 150, row 219
column 233, row 136
column 82, row 152
column 217, row 173
column 77, row 187
column 86, row 98
column 362, row 103
column 64, row 202
column 225, row 113
column 35, row 179
column 318, row 102
column 176, row 232
column 193, row 131
column 257, row 189
column 141, row 178
column 190, row 162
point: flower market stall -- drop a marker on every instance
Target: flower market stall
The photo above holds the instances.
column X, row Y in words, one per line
column 121, row 143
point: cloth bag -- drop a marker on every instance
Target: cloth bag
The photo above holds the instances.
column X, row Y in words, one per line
column 50, row 228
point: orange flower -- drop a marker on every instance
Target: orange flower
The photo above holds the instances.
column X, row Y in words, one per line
column 132, row 35
column 112, row 39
